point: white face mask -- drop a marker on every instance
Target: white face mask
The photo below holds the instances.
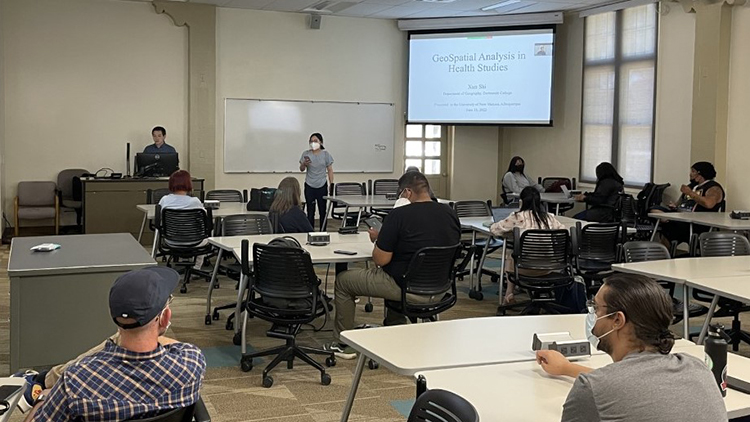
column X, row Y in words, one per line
column 591, row 320
column 315, row 146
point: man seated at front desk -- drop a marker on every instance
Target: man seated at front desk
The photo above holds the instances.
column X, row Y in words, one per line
column 629, row 320
column 160, row 146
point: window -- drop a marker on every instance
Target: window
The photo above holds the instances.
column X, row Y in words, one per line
column 619, row 78
column 424, row 148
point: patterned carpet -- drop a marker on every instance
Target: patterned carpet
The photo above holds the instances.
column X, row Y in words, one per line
column 296, row 396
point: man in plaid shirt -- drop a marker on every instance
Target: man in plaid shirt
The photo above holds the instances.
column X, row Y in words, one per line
column 137, row 373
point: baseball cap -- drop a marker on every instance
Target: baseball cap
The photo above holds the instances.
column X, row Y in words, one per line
column 141, row 294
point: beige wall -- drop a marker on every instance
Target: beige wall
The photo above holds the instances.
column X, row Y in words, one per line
column 82, row 78
column 738, row 139
column 2, row 107
column 274, row 55
column 475, row 166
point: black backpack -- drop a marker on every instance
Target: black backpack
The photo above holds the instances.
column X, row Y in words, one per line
column 261, row 199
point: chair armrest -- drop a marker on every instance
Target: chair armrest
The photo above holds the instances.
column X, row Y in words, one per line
column 200, row 413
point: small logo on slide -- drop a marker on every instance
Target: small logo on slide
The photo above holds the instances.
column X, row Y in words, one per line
column 543, row 49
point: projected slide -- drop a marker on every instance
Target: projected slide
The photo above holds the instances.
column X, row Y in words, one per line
column 481, row 77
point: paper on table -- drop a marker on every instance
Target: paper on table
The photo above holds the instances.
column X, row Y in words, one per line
column 45, row 247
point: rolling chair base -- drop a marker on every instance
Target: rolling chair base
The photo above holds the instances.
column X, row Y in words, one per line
column 288, row 353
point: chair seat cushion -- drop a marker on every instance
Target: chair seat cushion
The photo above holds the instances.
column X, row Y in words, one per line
column 594, row 265
column 35, row 213
column 69, row 203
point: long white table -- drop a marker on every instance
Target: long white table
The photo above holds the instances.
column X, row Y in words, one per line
column 555, row 198
column 356, row 201
column 522, row 392
column 719, row 220
column 734, row 287
column 13, row 399
column 679, row 271
column 359, row 243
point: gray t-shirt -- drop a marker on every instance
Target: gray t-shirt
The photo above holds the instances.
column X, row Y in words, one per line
column 515, row 183
column 646, row 387
column 317, row 170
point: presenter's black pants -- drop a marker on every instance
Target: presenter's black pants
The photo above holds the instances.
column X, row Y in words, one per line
column 313, row 195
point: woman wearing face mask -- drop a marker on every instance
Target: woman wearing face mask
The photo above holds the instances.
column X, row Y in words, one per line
column 515, row 179
column 318, row 164
column 629, row 320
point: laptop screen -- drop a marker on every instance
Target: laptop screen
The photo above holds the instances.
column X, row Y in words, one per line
column 499, row 214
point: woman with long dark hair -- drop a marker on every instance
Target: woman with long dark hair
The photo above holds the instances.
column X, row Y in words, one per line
column 515, row 179
column 601, row 202
column 531, row 215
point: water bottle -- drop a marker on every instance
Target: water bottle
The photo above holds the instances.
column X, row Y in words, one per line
column 716, row 355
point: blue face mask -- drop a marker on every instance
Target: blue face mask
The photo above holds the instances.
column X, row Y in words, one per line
column 591, row 320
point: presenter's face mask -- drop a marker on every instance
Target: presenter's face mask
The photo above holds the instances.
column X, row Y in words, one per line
column 314, row 146
column 591, row 320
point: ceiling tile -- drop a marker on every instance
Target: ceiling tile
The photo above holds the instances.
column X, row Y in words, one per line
column 364, row 9
column 249, row 4
column 289, row 5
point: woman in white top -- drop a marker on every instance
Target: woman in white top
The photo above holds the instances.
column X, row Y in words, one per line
column 532, row 215
column 180, row 187
column 515, row 180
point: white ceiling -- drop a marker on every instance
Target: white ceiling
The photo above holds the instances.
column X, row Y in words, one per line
column 401, row 9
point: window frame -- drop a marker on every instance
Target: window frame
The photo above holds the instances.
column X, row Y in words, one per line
column 618, row 62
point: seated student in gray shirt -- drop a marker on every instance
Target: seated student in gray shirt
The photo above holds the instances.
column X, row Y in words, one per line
column 629, row 320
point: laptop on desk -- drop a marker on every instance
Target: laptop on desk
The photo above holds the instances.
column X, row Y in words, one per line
column 500, row 214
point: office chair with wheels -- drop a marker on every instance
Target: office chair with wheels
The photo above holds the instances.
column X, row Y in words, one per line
column 70, row 191
column 183, row 234
column 640, row 251
column 284, row 291
column 344, row 189
column 554, row 184
column 227, row 195
column 545, row 252
column 724, row 244
column 466, row 209
column 595, row 249
column 442, row 406
column 153, row 196
column 196, row 412
column 383, row 187
column 235, row 225
column 431, row 272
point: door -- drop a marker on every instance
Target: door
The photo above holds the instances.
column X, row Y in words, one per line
column 427, row 149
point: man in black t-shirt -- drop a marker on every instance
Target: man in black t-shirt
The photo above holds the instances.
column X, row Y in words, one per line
column 407, row 229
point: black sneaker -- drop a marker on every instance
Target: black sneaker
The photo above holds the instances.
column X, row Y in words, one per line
column 341, row 351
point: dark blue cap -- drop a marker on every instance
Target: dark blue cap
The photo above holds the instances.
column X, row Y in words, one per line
column 141, row 294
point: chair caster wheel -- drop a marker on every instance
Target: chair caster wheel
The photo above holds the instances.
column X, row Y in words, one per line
column 229, row 325
column 368, row 307
column 246, row 364
column 267, row 381
column 325, row 379
column 372, row 364
column 476, row 295
column 216, row 315
column 330, row 361
column 183, row 289
column 208, row 320
column 237, row 339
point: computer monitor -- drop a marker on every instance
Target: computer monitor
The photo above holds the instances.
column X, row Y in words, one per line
column 156, row 165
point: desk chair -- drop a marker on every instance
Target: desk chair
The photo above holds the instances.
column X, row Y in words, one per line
column 640, row 251
column 70, row 191
column 227, row 195
column 442, row 406
column 544, row 251
column 723, row 244
column 196, row 412
column 383, row 187
column 236, row 225
column 466, row 209
column 431, row 272
column 595, row 249
column 284, row 291
column 36, row 201
column 183, row 234
column 650, row 196
column 553, row 184
column 344, row 189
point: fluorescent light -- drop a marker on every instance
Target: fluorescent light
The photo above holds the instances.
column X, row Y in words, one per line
column 550, row 18
column 613, row 7
column 499, row 5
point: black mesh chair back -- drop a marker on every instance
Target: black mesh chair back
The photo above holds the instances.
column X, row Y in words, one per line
column 722, row 244
column 431, row 272
column 542, row 249
column 598, row 242
column 246, row 225
column 651, row 195
column 153, row 196
column 472, row 209
column 384, row 186
column 547, row 182
column 285, row 273
column 183, row 414
column 442, row 406
column 185, row 228
column 641, row 251
column 225, row 195
column 349, row 188
column 627, row 210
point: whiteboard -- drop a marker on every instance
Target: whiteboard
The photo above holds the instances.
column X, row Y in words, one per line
column 266, row 136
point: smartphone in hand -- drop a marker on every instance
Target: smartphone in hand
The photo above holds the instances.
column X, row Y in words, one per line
column 374, row 223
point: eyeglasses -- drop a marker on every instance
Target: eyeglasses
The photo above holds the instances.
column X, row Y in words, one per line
column 591, row 306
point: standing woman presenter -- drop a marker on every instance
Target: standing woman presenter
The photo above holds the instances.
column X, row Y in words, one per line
column 318, row 164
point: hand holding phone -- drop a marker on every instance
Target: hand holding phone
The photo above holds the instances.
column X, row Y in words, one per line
column 374, row 223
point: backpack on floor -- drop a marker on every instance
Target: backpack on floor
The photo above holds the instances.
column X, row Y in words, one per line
column 261, row 199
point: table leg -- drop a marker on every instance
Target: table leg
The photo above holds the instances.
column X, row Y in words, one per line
column 359, row 216
column 346, row 216
column 238, row 307
column 501, row 299
column 143, row 226
column 557, row 209
column 481, row 261
column 329, row 209
column 212, row 282
column 355, row 384
column 711, row 310
column 156, row 243
column 471, row 261
column 685, row 311
column 691, row 230
column 656, row 227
